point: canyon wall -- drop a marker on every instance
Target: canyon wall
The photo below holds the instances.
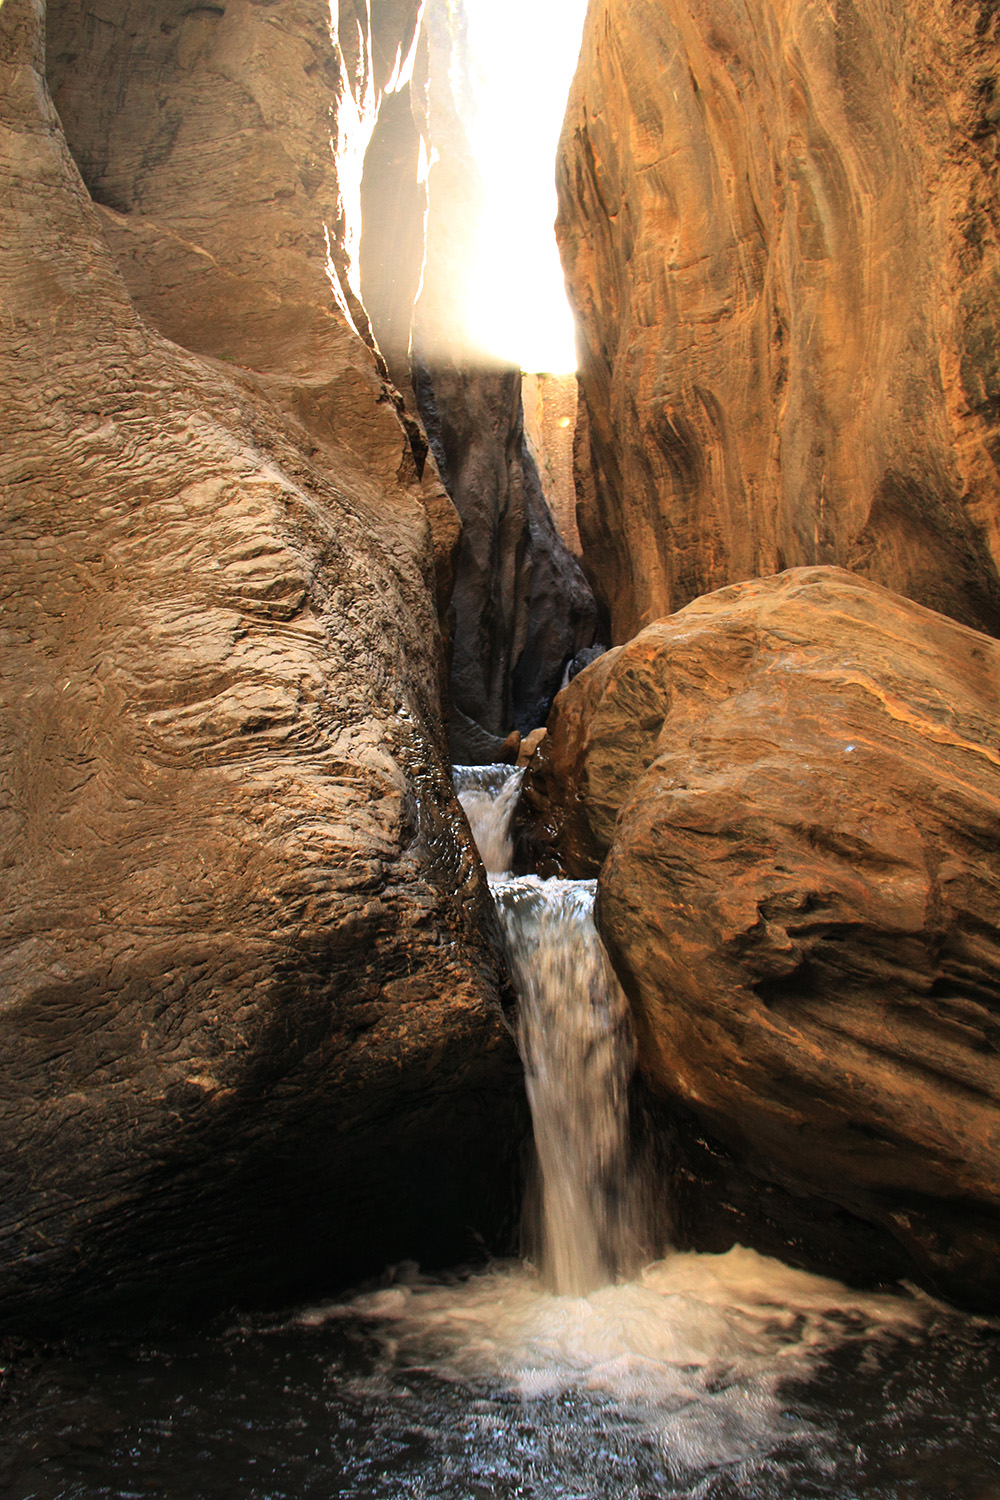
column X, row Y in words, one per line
column 780, row 229
column 779, row 224
column 250, row 984
column 549, row 421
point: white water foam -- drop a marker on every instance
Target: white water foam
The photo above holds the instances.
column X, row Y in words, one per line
column 488, row 795
column 696, row 1350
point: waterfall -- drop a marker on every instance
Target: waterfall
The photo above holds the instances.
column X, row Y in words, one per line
column 576, row 1043
column 488, row 795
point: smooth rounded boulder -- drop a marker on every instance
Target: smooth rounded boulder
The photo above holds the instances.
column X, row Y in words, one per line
column 801, row 894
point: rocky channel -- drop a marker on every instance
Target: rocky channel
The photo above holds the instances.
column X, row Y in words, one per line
column 276, row 552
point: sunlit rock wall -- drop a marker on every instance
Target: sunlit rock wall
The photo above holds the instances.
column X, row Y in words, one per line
column 779, row 223
column 249, row 999
column 549, row 420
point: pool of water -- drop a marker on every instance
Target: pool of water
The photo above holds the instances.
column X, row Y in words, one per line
column 707, row 1378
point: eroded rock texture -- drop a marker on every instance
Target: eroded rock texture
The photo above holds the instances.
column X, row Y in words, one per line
column 779, row 223
column 224, row 146
column 249, row 1032
column 794, row 785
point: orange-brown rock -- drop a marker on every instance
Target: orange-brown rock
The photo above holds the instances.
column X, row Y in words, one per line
column 248, row 1005
column 779, row 226
column 801, row 894
column 224, row 146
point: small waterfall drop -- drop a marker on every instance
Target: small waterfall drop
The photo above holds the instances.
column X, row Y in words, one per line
column 488, row 795
column 576, row 1043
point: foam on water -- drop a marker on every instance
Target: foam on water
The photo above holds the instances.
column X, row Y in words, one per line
column 696, row 1349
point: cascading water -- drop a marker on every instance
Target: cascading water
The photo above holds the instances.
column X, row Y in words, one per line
column 696, row 1377
column 488, row 795
column 576, row 1043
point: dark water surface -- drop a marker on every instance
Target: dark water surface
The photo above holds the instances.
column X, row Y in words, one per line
column 691, row 1382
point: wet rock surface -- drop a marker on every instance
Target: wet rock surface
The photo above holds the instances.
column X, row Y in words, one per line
column 778, row 225
column 794, row 787
column 250, row 1001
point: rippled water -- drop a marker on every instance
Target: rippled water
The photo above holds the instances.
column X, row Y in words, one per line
column 708, row 1378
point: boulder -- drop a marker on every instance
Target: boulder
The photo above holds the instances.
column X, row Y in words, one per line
column 250, row 998
column 800, row 891
column 779, row 229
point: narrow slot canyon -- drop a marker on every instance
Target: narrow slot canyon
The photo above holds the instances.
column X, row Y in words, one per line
column 500, row 860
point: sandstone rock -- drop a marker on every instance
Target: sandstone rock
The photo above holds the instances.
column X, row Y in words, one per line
column 248, row 1008
column 529, row 745
column 224, row 145
column 801, row 895
column 522, row 606
column 779, row 227
column 549, row 403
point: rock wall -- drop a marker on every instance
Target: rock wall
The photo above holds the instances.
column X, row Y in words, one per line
column 790, row 790
column 549, row 420
column 249, row 998
column 780, row 228
column 225, row 148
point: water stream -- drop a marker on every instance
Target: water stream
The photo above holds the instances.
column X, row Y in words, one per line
column 576, row 1044
column 578, row 1373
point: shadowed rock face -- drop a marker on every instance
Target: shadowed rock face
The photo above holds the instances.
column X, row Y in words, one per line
column 522, row 607
column 779, row 226
column 248, row 1008
column 794, row 785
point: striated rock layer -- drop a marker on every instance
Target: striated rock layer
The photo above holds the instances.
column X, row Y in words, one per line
column 224, row 147
column 247, row 1004
column 794, row 786
column 779, row 227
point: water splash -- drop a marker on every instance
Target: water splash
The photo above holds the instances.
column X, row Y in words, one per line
column 696, row 1353
column 696, row 1350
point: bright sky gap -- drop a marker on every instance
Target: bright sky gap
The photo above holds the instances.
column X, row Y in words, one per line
column 518, row 306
